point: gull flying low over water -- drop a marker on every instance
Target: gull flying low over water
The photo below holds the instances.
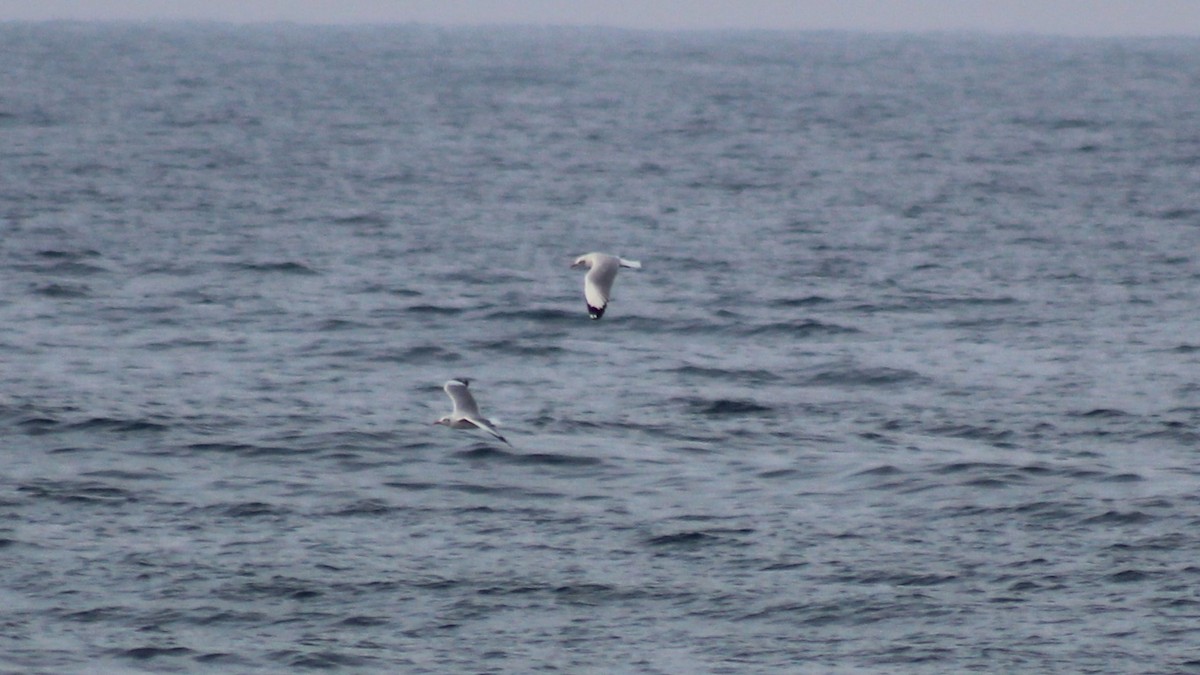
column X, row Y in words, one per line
column 466, row 412
column 597, row 283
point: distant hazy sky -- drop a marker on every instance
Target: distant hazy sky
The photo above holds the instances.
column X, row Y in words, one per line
column 1066, row 17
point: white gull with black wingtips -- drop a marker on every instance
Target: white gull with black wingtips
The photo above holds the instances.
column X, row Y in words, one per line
column 597, row 283
column 466, row 412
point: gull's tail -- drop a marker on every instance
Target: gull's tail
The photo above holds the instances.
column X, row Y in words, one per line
column 633, row 264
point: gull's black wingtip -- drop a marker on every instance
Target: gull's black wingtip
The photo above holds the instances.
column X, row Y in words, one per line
column 595, row 312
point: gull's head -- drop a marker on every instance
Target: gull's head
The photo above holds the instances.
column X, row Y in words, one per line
column 583, row 260
column 443, row 420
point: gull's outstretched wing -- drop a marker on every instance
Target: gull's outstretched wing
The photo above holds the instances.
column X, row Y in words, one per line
column 464, row 402
column 487, row 426
column 597, row 284
column 466, row 409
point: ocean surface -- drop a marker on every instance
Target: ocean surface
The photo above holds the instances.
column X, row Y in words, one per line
column 909, row 382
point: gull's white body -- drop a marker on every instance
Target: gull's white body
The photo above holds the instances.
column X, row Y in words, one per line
column 466, row 412
column 597, row 283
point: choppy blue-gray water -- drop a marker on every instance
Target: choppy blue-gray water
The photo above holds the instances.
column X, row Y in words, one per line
column 910, row 381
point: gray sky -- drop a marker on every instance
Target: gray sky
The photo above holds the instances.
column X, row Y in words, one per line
column 1065, row 17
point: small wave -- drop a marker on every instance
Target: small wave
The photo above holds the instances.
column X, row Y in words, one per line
column 727, row 406
column 863, row 377
column 93, row 614
column 1173, row 541
column 1178, row 214
column 147, row 653
column 1048, row 511
column 585, row 591
column 34, row 117
column 484, row 452
column 221, row 659
column 418, row 354
column 1123, row 478
column 1042, row 511
column 179, row 343
column 90, row 492
column 882, row 470
column 70, row 450
column 331, row 325
column 1175, row 431
column 569, row 424
column 124, row 474
column 482, row 277
column 903, row 579
column 901, row 483
column 520, row 589
column 774, row 474
column 365, row 507
column 1128, row 576
column 537, row 314
column 551, row 459
column 753, row 375
column 682, row 539
column 805, row 301
column 694, row 538
column 284, row 267
column 322, row 660
column 477, row 489
column 371, row 218
column 388, row 290
column 412, row 485
column 1066, row 123
column 433, row 309
column 963, row 467
column 801, row 328
column 1104, row 413
column 973, row 432
column 1119, row 518
column 245, row 449
column 926, row 303
column 60, row 254
column 359, row 621
column 784, row 566
column 347, row 442
column 1002, row 475
column 245, row 510
column 660, row 324
column 278, row 586
column 73, row 268
column 114, row 425
column 970, row 301
column 118, row 425
column 519, row 348
column 877, row 437
column 988, row 482
column 35, row 426
column 63, row 291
